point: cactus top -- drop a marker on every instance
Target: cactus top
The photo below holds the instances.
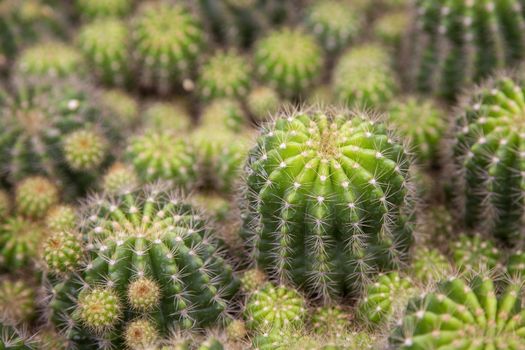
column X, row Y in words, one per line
column 327, row 199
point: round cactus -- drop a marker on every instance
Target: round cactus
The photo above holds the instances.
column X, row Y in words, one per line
column 105, row 45
column 161, row 116
column 487, row 156
column 13, row 339
column 225, row 114
column 149, row 256
column 288, row 60
column 50, row 59
column 103, row 8
column 463, row 315
column 330, row 320
column 122, row 106
column 214, row 205
column 422, row 123
column 141, row 334
column 385, row 298
column 119, row 178
column 85, row 150
column 475, row 253
column 516, row 264
column 363, row 77
column 225, row 74
column 167, row 42
column 457, row 43
column 334, row 23
column 392, row 27
column 252, row 280
column 20, row 239
column 35, row 196
column 17, row 302
column 163, row 156
column 274, row 307
column 61, row 218
column 263, row 102
column 236, row 330
column 429, row 265
column 316, row 174
column 62, row 251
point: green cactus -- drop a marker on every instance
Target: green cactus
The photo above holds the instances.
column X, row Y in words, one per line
column 457, row 42
column 288, row 60
column 141, row 334
column 475, row 253
column 122, row 106
column 216, row 206
column 516, row 264
column 50, row 59
column 163, row 156
column 363, row 77
column 392, row 27
column 61, row 218
column 429, row 265
column 252, row 280
column 211, row 344
column 438, row 225
column 385, row 298
column 334, row 23
column 263, row 102
column 330, row 320
column 90, row 9
column 422, row 123
column 236, row 330
column 105, row 45
column 119, row 178
column 161, row 116
column 223, row 114
column 35, row 196
column 85, row 150
column 5, row 205
column 17, row 301
column 62, row 251
column 14, row 339
column 322, row 95
column 274, row 307
column 167, row 40
column 487, row 150
column 226, row 74
column 463, row 315
column 149, row 256
column 294, row 217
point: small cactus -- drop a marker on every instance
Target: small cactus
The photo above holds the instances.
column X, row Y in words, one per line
column 119, row 178
column 252, row 280
column 475, row 253
column 85, row 150
column 14, row 339
column 223, row 114
column 392, row 27
column 330, row 320
column 61, row 218
column 91, row 9
column 35, row 196
column 288, row 60
column 122, row 106
column 516, row 264
column 429, row 265
column 141, row 334
column 5, row 205
column 20, row 239
column 263, row 102
column 62, row 252
column 463, row 315
column 236, row 330
column 17, row 302
column 161, row 116
column 310, row 168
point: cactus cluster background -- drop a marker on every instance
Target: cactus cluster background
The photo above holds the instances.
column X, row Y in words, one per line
column 262, row 174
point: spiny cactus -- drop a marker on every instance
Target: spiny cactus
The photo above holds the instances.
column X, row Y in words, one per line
column 90, row 9
column 315, row 175
column 141, row 334
column 385, row 298
column 35, row 196
column 17, row 301
column 487, row 154
column 61, row 218
column 422, row 123
column 429, row 265
column 167, row 40
column 149, row 256
column 334, row 23
column 516, row 264
column 463, row 315
column 252, row 280
column 392, row 27
column 85, row 150
column 119, row 178
column 5, row 205
column 330, row 320
column 288, row 60
column 161, row 116
column 225, row 74
column 475, row 253
column 163, row 156
column 437, row 227
column 50, row 59
column 225, row 114
column 216, row 206
column 236, row 330
column 458, row 42
column 274, row 307
column 263, row 102
column 363, row 77
column 122, row 106
column 14, row 339
column 105, row 44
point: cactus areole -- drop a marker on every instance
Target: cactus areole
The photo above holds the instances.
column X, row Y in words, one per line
column 327, row 201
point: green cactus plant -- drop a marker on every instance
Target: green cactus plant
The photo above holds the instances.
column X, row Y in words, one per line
column 91, row 9
column 17, row 301
column 288, row 60
column 330, row 320
column 223, row 114
column 392, row 27
column 161, row 116
column 35, row 196
column 148, row 256
column 122, row 106
column 120, row 178
column 85, row 150
column 61, row 218
column 516, row 264
column 5, row 205
column 312, row 176
column 263, row 102
column 62, row 251
column 463, row 315
column 475, row 253
column 226, row 74
column 14, row 339
column 105, row 45
column 363, row 77
column 429, row 265
column 252, row 280
column 457, row 43
column 167, row 40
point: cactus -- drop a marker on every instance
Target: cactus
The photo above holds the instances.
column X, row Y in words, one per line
column 149, row 256
column 463, row 315
column 119, row 178
column 487, row 151
column 288, row 60
column 293, row 216
column 422, row 123
column 429, row 265
column 475, row 253
column 61, row 218
column 91, row 9
column 273, row 308
column 106, row 47
column 35, row 196
column 163, row 156
column 141, row 334
column 334, row 23
column 14, row 339
column 122, row 106
column 457, row 43
column 363, row 77
column 20, row 240
column 50, row 59
column 85, row 150
column 17, row 302
column 223, row 114
column 167, row 40
column 211, row 344
column 252, row 280
column 437, row 226
column 516, row 264
column 224, row 75
column 392, row 27
column 217, row 207
column 263, row 102
column 236, row 330
column 62, row 251
column 385, row 298
column 330, row 320
column 322, row 95
column 161, row 116
column 5, row 205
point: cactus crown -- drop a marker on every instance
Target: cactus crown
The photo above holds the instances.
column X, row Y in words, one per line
column 103, row 8
column 51, row 59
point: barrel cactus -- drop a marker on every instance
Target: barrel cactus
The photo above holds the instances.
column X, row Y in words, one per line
column 223, row 114
column 17, row 301
column 429, row 265
column 463, row 315
column 516, row 264
column 162, row 116
column 327, row 200
column 90, row 9
column 148, row 263
column 34, row 196
column 85, row 150
column 119, row 178
column 15, row 339
column 458, row 42
column 263, row 102
column 330, row 320
column 122, row 106
column 475, row 253
column 61, row 217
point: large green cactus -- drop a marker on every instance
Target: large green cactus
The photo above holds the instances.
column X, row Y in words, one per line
column 457, row 42
column 149, row 256
column 327, row 200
